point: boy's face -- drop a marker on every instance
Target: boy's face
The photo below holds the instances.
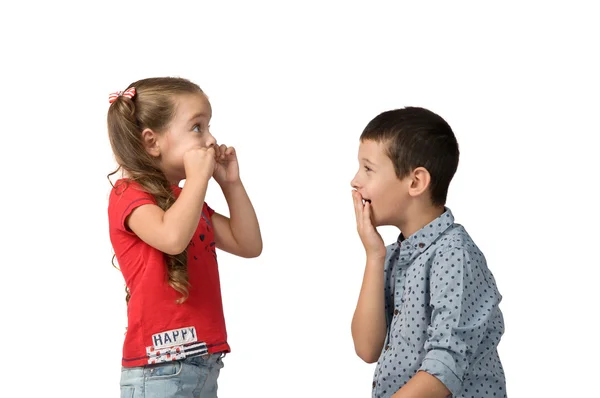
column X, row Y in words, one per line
column 376, row 181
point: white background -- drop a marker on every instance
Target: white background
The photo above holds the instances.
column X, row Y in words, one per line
column 292, row 86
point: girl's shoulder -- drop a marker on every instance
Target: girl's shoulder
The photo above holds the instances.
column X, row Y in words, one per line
column 123, row 184
column 129, row 189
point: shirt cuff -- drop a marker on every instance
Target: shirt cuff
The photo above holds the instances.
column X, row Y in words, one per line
column 441, row 364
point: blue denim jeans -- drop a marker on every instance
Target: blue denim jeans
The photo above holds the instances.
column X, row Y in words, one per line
column 190, row 378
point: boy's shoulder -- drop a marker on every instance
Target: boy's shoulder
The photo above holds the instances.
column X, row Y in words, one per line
column 455, row 237
column 456, row 240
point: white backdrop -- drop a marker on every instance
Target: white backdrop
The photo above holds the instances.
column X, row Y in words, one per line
column 292, row 85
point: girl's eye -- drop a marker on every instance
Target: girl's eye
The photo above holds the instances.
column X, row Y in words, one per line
column 196, row 128
column 367, row 168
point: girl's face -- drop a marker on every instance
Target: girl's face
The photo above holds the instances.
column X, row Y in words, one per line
column 188, row 129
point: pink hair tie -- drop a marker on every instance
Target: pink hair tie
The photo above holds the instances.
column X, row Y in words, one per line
column 129, row 93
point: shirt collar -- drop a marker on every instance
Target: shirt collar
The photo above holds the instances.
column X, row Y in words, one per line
column 418, row 242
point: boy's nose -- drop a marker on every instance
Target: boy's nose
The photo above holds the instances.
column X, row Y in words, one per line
column 354, row 183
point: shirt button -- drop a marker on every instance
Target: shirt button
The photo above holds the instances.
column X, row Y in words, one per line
column 421, row 245
column 387, row 347
column 396, row 311
column 374, row 384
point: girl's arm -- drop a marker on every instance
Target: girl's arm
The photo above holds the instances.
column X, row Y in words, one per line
column 171, row 231
column 239, row 234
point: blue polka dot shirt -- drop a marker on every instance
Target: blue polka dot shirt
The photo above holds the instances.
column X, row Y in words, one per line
column 441, row 304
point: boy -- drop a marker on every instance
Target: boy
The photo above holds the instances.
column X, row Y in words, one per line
column 428, row 307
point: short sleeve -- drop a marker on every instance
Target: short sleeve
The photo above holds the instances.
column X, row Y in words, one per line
column 125, row 197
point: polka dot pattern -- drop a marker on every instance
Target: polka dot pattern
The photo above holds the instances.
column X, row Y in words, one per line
column 441, row 304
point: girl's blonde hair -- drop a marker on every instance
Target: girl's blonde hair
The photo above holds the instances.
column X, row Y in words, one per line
column 152, row 107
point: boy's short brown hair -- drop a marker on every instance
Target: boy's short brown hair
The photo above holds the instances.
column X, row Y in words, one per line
column 416, row 137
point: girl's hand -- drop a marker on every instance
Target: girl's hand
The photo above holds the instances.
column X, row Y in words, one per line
column 226, row 168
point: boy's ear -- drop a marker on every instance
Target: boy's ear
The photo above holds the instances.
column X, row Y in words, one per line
column 150, row 140
column 420, row 181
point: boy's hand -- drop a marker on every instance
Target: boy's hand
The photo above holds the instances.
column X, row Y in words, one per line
column 226, row 169
column 369, row 236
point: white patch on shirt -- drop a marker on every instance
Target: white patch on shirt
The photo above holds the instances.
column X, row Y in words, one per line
column 174, row 337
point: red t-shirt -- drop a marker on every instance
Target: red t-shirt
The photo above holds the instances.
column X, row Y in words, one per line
column 159, row 329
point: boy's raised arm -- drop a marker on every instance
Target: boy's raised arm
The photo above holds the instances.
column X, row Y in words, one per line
column 368, row 323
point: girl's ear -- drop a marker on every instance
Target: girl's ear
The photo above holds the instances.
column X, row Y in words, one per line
column 150, row 139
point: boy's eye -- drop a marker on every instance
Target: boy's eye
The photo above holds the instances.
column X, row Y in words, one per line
column 367, row 168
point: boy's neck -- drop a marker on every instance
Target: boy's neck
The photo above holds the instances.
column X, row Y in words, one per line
column 418, row 218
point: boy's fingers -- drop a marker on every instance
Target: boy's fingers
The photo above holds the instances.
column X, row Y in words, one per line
column 367, row 214
column 357, row 207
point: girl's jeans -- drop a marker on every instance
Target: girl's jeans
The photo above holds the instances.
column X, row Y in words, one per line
column 190, row 378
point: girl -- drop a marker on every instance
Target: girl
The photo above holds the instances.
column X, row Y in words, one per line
column 164, row 237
